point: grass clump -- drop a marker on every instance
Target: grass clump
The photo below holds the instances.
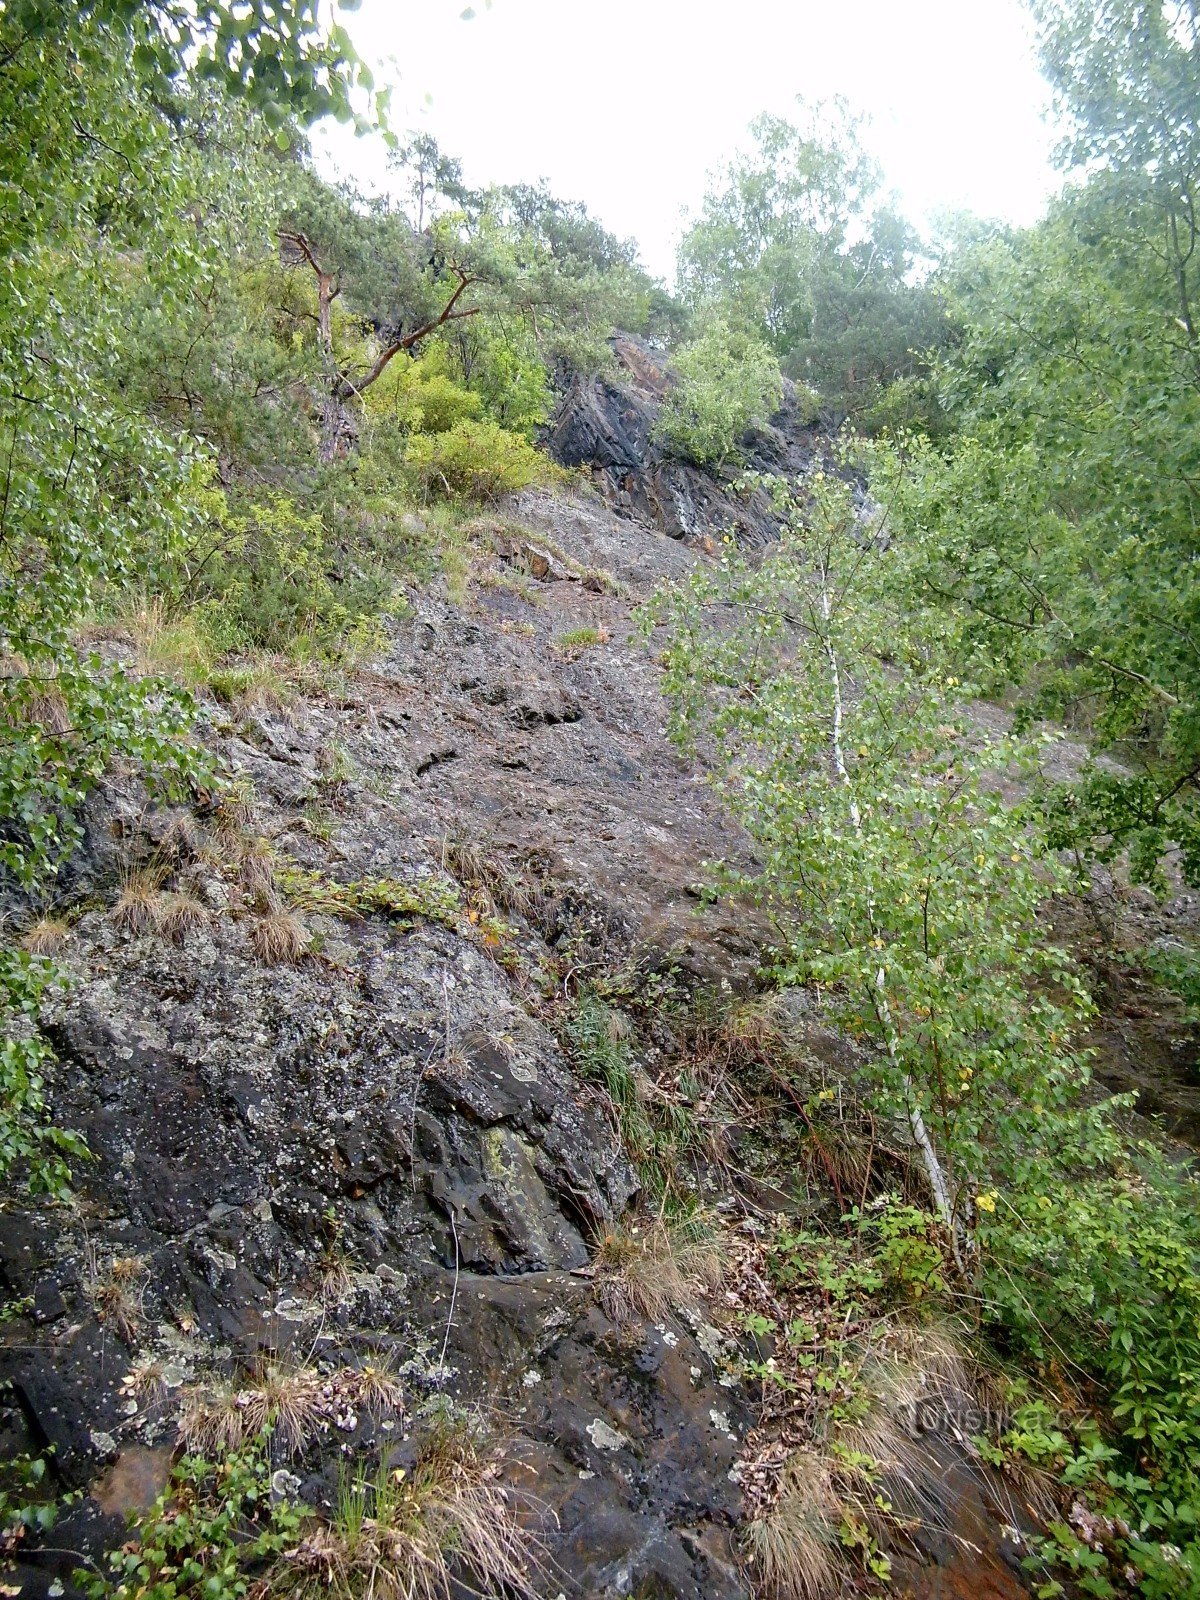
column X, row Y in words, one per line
column 234, row 810
column 792, row 1546
column 416, row 1534
column 598, row 1039
column 143, row 907
column 653, row 1268
column 46, row 936
column 117, row 1293
column 178, row 914
column 576, row 640
column 260, row 684
column 297, row 1405
column 256, row 868
column 136, row 911
column 278, row 937
column 166, row 643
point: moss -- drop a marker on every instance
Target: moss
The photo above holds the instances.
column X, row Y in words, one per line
column 426, row 899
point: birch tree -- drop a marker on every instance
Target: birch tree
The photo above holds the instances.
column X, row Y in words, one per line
column 899, row 881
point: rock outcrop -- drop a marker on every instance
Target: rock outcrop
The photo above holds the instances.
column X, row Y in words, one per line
column 380, row 1152
column 606, row 426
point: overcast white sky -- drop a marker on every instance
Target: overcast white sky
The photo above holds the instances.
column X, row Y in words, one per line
column 629, row 104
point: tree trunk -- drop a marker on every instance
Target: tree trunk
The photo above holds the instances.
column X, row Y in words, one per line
column 338, row 429
column 943, row 1198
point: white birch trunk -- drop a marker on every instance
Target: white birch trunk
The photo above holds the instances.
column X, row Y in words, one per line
column 912, row 1107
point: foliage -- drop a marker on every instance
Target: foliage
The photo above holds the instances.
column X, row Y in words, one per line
column 726, row 380
column 30, row 1501
column 903, row 881
column 895, row 873
column 1106, row 1265
column 422, row 396
column 262, row 573
column 501, row 363
column 89, row 477
column 29, row 1145
column 478, row 461
column 1053, row 530
column 796, row 246
column 216, row 1528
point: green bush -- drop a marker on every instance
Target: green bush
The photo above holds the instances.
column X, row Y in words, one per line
column 216, row 1529
column 267, row 574
column 726, row 379
column 509, row 376
column 421, row 396
column 474, row 460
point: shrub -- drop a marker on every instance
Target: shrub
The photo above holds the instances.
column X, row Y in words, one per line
column 214, row 1529
column 421, row 396
column 725, row 380
column 474, row 460
column 29, row 1144
column 267, row 574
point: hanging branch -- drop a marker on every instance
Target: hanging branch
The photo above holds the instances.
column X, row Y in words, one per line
column 344, row 385
column 447, row 314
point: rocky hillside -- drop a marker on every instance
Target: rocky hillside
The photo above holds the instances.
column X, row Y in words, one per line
column 328, row 1038
column 605, row 425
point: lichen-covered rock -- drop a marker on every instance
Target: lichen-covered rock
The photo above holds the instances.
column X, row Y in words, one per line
column 380, row 1151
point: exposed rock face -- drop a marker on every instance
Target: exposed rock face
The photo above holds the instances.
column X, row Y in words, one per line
column 399, row 1099
column 608, row 426
column 383, row 1151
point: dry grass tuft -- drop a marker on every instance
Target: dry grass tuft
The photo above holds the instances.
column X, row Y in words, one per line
column 256, row 869
column 763, row 1048
column 278, row 937
column 47, row 707
column 145, row 1381
column 137, row 908
column 915, row 1380
column 177, row 915
column 650, row 1269
column 379, row 1390
column 216, row 1422
column 444, row 1528
column 183, row 840
column 117, row 1294
column 234, row 810
column 336, row 1280
column 46, row 936
column 298, row 1405
column 793, row 1546
column 463, row 858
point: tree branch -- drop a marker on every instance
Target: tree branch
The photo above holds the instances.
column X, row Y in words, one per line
column 347, row 386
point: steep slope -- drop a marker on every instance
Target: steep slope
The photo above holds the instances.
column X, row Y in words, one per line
column 378, row 1150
